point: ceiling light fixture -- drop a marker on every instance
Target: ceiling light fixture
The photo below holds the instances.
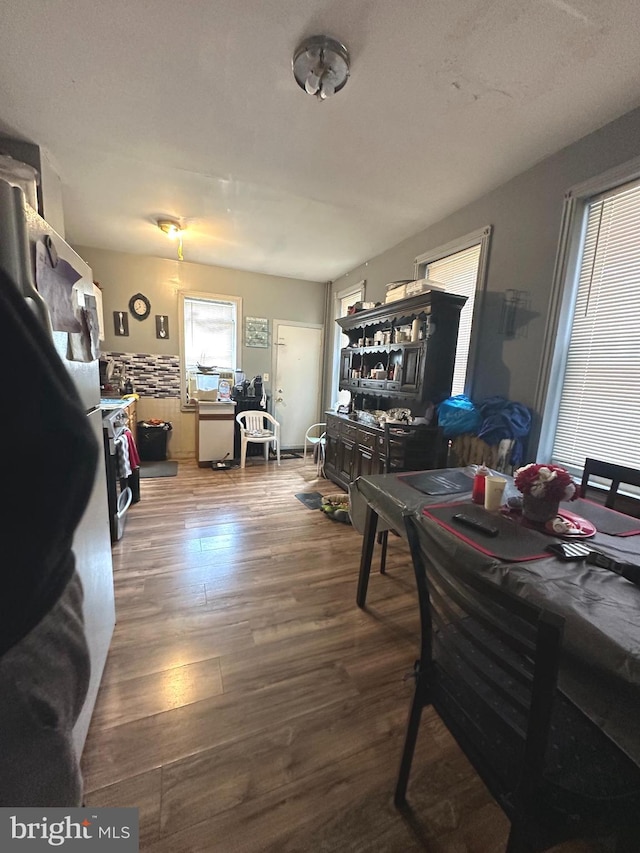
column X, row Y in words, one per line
column 321, row 66
column 173, row 230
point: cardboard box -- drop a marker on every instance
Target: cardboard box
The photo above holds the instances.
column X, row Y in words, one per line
column 422, row 285
column 398, row 292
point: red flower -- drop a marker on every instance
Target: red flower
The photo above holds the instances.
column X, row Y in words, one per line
column 550, row 482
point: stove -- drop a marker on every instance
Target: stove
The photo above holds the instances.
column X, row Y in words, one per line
column 122, row 491
column 114, row 420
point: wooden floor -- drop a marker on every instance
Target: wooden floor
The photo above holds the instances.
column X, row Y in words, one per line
column 247, row 703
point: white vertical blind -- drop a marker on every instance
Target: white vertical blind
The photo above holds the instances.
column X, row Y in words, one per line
column 459, row 272
column 210, row 333
column 599, row 412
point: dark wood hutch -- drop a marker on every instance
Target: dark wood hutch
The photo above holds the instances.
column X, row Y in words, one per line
column 400, row 354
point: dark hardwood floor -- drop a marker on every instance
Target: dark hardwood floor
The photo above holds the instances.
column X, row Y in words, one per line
column 247, row 703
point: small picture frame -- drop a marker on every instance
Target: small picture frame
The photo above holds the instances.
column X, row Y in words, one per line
column 162, row 327
column 121, row 323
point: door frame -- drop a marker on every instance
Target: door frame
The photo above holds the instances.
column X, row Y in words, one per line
column 274, row 361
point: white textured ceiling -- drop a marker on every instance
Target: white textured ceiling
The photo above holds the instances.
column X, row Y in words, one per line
column 153, row 108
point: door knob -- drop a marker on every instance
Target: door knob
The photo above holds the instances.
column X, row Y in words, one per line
column 279, row 400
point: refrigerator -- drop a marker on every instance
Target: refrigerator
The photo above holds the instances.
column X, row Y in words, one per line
column 30, row 251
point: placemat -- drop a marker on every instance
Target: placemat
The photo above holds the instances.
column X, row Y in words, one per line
column 606, row 520
column 151, row 470
column 430, row 483
column 514, row 543
column 312, row 500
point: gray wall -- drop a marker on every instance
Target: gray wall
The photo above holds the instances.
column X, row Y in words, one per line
column 525, row 214
column 121, row 275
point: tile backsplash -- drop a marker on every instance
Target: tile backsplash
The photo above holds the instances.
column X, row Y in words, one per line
column 152, row 375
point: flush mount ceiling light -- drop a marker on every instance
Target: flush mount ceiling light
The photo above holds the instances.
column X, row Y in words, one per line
column 321, row 66
column 171, row 227
column 173, row 230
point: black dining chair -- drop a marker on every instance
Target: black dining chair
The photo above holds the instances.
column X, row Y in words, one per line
column 488, row 666
column 608, row 471
column 410, row 447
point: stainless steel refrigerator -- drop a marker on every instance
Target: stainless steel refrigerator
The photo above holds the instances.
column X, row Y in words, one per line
column 24, row 236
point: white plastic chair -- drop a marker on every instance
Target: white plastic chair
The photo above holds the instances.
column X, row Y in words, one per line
column 314, row 435
column 252, row 429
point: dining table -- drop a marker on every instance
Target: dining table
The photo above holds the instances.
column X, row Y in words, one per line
column 600, row 664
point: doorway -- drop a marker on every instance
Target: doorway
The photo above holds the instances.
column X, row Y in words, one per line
column 297, row 379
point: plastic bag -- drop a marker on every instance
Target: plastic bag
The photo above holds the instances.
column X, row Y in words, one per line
column 458, row 415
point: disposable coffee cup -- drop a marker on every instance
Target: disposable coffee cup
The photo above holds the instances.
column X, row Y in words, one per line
column 493, row 492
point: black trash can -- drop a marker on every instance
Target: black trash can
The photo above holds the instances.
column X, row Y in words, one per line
column 152, row 441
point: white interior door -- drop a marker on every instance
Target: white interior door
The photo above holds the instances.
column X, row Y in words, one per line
column 297, row 375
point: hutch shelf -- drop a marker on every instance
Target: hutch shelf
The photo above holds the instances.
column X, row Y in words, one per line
column 400, row 354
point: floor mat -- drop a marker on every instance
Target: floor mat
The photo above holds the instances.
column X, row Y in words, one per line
column 312, row 500
column 149, row 470
column 290, row 454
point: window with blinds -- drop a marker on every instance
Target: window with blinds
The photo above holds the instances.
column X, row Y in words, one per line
column 342, row 301
column 345, row 301
column 210, row 332
column 599, row 409
column 459, row 272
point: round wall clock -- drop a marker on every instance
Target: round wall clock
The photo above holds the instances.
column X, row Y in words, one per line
column 139, row 306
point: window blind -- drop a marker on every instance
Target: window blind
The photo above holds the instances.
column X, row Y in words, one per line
column 459, row 272
column 209, row 333
column 599, row 411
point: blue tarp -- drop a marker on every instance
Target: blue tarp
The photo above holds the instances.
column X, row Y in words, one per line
column 458, row 415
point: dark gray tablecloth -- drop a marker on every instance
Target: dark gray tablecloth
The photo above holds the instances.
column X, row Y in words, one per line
column 601, row 666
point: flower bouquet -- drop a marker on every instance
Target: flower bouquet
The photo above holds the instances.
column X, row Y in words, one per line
column 543, row 487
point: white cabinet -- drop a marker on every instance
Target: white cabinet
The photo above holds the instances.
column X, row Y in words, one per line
column 215, row 431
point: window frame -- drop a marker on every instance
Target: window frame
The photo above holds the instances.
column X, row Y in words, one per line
column 185, row 405
column 338, row 296
column 481, row 236
column 564, row 289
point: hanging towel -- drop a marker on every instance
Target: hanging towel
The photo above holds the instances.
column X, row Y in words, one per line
column 122, row 454
column 134, row 458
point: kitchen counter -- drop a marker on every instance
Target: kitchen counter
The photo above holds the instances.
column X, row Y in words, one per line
column 215, row 431
column 108, row 404
column 115, row 402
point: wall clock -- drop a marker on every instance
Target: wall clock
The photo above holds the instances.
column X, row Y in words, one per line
column 139, row 306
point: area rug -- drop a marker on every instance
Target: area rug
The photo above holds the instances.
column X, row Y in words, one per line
column 290, row 454
column 149, row 470
column 312, row 500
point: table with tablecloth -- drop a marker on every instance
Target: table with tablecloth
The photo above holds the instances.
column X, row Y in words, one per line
column 600, row 669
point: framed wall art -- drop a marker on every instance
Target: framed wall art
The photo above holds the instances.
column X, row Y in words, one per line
column 162, row 327
column 256, row 332
column 121, row 323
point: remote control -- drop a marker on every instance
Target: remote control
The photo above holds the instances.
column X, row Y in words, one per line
column 480, row 526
